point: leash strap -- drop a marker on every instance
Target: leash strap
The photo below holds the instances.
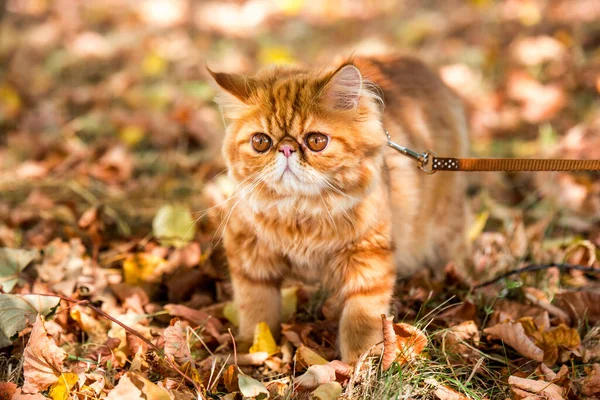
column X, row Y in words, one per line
column 430, row 163
column 511, row 164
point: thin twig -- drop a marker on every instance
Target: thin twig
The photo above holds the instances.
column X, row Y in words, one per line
column 538, row 267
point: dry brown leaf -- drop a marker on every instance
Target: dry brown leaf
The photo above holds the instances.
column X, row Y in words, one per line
column 19, row 395
column 390, row 345
column 548, row 390
column 511, row 310
column 315, row 376
column 582, row 305
column 254, row 359
column 443, row 392
column 230, row 379
column 7, row 390
column 539, row 298
column 513, row 334
column 411, row 341
column 453, row 340
column 43, row 359
column 176, row 345
column 591, row 383
column 465, row 311
column 125, row 389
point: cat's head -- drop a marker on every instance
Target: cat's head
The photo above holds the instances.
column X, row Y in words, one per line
column 302, row 133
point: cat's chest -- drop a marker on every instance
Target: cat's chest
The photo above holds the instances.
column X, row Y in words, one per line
column 303, row 241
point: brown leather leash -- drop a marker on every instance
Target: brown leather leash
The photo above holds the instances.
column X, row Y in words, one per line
column 430, row 163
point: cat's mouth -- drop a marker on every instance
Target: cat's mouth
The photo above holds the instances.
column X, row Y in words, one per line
column 289, row 172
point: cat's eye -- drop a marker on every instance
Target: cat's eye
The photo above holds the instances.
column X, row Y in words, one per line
column 316, row 141
column 261, row 142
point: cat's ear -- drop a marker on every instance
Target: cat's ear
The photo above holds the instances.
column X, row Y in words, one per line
column 239, row 86
column 343, row 90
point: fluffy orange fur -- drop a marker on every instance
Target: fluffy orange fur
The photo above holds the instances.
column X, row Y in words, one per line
column 351, row 216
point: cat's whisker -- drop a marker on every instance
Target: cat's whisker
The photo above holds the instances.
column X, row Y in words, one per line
column 328, row 212
column 216, row 206
column 243, row 193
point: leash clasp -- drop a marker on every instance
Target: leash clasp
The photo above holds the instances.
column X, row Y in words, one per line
column 423, row 159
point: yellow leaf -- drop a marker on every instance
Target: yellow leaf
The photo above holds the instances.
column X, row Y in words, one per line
column 289, row 302
column 230, row 312
column 291, row 7
column 132, row 134
column 60, row 390
column 479, row 225
column 10, row 101
column 142, row 267
column 306, row 357
column 153, row 65
column 263, row 340
column 275, row 55
column 327, row 391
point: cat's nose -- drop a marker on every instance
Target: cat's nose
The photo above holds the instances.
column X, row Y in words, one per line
column 287, row 150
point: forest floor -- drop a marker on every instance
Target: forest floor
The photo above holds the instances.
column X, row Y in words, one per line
column 109, row 160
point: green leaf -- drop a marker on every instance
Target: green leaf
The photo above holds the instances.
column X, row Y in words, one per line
column 251, row 387
column 173, row 225
column 12, row 262
column 17, row 310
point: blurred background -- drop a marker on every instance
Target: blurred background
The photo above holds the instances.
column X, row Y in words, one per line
column 106, row 110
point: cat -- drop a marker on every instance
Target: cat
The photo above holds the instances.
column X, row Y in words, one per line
column 321, row 197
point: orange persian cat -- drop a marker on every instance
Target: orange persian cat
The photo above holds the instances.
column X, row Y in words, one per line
column 321, row 197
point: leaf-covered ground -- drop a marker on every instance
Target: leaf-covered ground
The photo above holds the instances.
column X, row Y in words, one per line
column 109, row 164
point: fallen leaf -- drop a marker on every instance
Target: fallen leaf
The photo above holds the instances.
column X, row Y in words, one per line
column 582, row 305
column 289, row 303
column 390, row 345
column 411, row 341
column 173, row 225
column 60, row 389
column 142, row 267
column 316, row 375
column 591, row 383
column 263, row 340
column 454, row 338
column 19, row 395
column 230, row 379
column 125, row 389
column 150, row 390
column 530, row 387
column 7, row 390
column 12, row 262
column 230, row 312
column 306, row 357
column 196, row 317
column 250, row 387
column 17, row 310
column 443, row 392
column 42, row 360
column 327, row 391
column 115, row 166
column 251, row 358
column 513, row 334
column 176, row 345
column 556, row 339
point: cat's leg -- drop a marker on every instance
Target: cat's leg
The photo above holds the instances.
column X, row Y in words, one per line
column 256, row 301
column 256, row 275
column 363, row 285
